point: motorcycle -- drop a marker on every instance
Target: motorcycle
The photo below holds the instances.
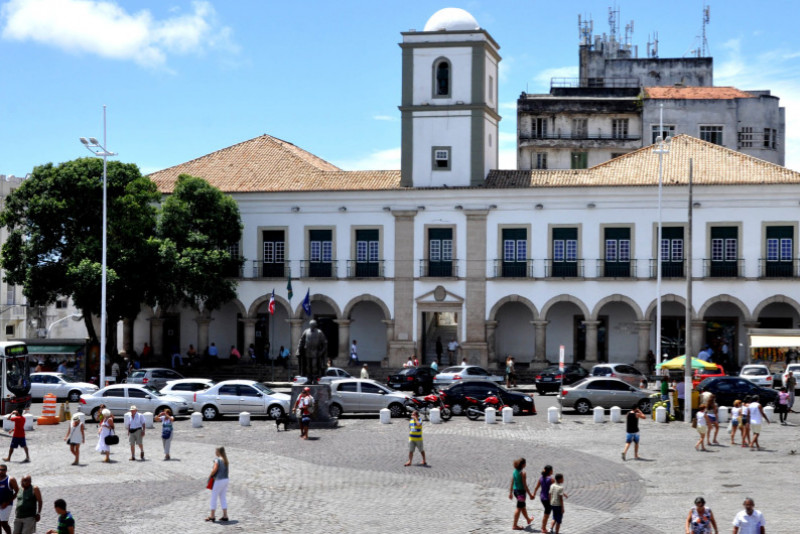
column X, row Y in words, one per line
column 424, row 406
column 477, row 408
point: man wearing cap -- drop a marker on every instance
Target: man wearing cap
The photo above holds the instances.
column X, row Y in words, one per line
column 135, row 425
column 305, row 405
column 364, row 372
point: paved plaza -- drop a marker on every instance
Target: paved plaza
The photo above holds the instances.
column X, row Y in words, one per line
column 352, row 479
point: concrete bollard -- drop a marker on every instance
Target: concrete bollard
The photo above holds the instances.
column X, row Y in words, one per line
column 491, row 416
column 197, row 420
column 599, row 414
column 29, row 420
column 244, row 419
column 552, row 415
column 386, row 416
column 769, row 411
column 508, row 415
column 148, row 419
column 722, row 414
column 435, row 416
column 661, row 415
column 7, row 424
column 616, row 414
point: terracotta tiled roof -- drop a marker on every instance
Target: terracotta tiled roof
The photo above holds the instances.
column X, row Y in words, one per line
column 713, row 165
column 695, row 93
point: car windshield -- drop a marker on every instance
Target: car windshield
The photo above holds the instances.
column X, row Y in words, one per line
column 138, row 374
column 68, row 379
column 264, row 389
column 601, row 371
column 453, row 370
column 406, row 372
column 755, row 371
column 553, row 369
column 152, row 390
column 579, row 382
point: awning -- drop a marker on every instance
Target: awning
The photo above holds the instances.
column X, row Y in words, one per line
column 773, row 337
column 53, row 349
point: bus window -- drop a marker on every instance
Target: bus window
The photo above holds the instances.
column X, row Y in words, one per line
column 17, row 379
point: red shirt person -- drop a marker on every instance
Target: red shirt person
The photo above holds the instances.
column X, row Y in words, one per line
column 18, row 436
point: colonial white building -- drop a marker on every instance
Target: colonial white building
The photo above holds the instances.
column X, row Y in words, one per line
column 505, row 262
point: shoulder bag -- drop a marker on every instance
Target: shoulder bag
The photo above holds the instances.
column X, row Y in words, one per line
column 112, row 439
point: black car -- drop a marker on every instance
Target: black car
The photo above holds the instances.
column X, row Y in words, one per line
column 549, row 378
column 727, row 389
column 416, row 379
column 480, row 389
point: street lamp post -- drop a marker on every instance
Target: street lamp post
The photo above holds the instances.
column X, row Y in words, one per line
column 74, row 317
column 99, row 150
column 661, row 148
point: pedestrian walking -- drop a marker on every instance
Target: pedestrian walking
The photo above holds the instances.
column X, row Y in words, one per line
column 519, row 490
column 736, row 419
column 791, row 384
column 632, row 432
column 415, row 439
column 440, row 350
column 354, row 353
column 702, row 427
column 783, row 404
column 304, row 407
column 700, row 519
column 8, row 492
column 713, row 419
column 115, row 371
column 66, row 523
column 744, row 426
column 557, row 496
column 364, row 372
column 219, row 489
column 757, row 417
column 29, row 507
column 435, row 366
column 665, row 394
column 544, row 482
column 166, row 419
column 176, row 355
column 17, row 436
column 749, row 520
column 680, row 388
column 135, row 425
column 452, row 348
column 511, row 374
column 106, row 429
column 75, row 437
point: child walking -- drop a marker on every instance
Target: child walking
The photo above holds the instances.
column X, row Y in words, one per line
column 557, row 496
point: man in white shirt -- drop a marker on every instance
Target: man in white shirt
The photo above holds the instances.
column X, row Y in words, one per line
column 757, row 416
column 135, row 425
column 364, row 372
column 749, row 520
column 452, row 347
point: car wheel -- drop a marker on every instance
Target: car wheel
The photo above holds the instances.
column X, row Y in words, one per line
column 397, row 410
column 209, row 412
column 95, row 415
column 457, row 409
column 275, row 411
column 583, row 406
column 420, row 389
column 446, row 414
column 161, row 409
column 473, row 413
column 517, row 409
column 335, row 411
column 644, row 405
column 74, row 396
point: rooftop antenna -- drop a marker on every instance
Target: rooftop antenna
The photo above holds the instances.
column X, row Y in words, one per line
column 706, row 20
column 628, row 34
column 652, row 52
column 585, row 28
column 613, row 23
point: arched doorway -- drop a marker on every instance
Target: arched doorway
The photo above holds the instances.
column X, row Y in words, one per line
column 722, row 333
column 565, row 316
column 514, row 333
column 620, row 341
column 367, row 328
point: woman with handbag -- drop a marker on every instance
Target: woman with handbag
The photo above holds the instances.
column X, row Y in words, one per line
column 218, row 484
column 75, row 437
column 166, row 419
column 106, row 431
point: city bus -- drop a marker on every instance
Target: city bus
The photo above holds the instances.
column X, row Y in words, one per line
column 15, row 386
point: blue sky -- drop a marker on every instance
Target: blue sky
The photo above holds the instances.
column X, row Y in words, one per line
column 184, row 78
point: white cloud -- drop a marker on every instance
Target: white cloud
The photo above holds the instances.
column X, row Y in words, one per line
column 387, row 118
column 542, row 80
column 508, row 158
column 379, row 160
column 105, row 29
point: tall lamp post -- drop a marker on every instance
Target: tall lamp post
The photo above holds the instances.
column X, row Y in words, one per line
column 661, row 148
column 99, row 150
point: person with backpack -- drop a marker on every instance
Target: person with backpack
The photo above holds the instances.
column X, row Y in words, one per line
column 304, row 406
column 166, row 419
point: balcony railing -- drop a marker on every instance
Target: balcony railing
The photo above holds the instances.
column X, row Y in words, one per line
column 365, row 269
column 669, row 269
column 438, row 269
column 723, row 269
column 513, row 269
column 779, row 269
column 563, row 269
column 616, row 269
column 581, row 136
column 319, row 269
column 560, row 82
column 271, row 270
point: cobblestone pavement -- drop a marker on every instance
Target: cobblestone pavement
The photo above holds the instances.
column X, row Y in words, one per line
column 352, row 479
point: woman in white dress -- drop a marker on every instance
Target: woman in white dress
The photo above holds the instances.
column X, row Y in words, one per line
column 75, row 437
column 106, row 429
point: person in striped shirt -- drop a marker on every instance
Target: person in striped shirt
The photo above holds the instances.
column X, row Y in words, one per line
column 415, row 438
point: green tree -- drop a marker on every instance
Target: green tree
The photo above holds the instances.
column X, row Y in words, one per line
column 54, row 246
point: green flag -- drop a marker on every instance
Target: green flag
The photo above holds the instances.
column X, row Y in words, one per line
column 289, row 288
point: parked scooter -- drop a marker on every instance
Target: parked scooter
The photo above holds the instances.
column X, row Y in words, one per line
column 477, row 408
column 427, row 403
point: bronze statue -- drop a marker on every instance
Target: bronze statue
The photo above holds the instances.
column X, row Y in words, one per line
column 312, row 352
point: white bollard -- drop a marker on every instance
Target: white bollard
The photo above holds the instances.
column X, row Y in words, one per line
column 244, row 419
column 29, row 420
column 197, row 420
column 769, row 411
column 7, row 424
column 661, row 415
column 552, row 415
column 148, row 419
column 616, row 414
column 722, row 414
column 386, row 416
column 435, row 416
column 491, row 416
column 508, row 415
column 599, row 414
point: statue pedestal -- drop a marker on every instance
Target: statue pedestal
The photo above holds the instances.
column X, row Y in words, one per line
column 322, row 399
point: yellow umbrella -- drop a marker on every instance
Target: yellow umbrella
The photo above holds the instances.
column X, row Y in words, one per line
column 679, row 362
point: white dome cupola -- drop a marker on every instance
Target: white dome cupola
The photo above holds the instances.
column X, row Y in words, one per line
column 451, row 19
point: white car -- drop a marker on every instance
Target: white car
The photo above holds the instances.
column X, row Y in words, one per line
column 235, row 396
column 59, row 385
column 457, row 373
column 330, row 374
column 758, row 374
column 187, row 387
column 356, row 395
column 119, row 397
column 795, row 368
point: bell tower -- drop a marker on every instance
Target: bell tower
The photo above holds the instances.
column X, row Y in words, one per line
column 449, row 102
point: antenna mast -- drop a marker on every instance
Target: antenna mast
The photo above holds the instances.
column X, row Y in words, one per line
column 585, row 29
column 706, row 20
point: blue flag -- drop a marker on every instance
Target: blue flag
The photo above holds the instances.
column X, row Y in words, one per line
column 307, row 303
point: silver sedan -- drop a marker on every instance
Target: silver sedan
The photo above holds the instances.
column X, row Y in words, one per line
column 605, row 392
column 457, row 373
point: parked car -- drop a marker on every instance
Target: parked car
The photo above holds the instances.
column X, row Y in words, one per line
column 330, row 374
column 455, row 373
column 730, row 388
column 416, row 379
column 795, row 368
column 757, row 374
column 356, row 395
column 603, row 391
column 59, row 385
column 701, row 374
column 187, row 387
column 119, row 397
column 623, row 371
column 521, row 403
column 153, row 376
column 549, row 379
column 235, row 396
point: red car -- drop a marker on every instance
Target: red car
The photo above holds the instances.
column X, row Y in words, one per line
column 702, row 374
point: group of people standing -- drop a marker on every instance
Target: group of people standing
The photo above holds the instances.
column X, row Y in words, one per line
column 747, row 417
column 551, row 495
column 28, row 508
column 748, row 521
